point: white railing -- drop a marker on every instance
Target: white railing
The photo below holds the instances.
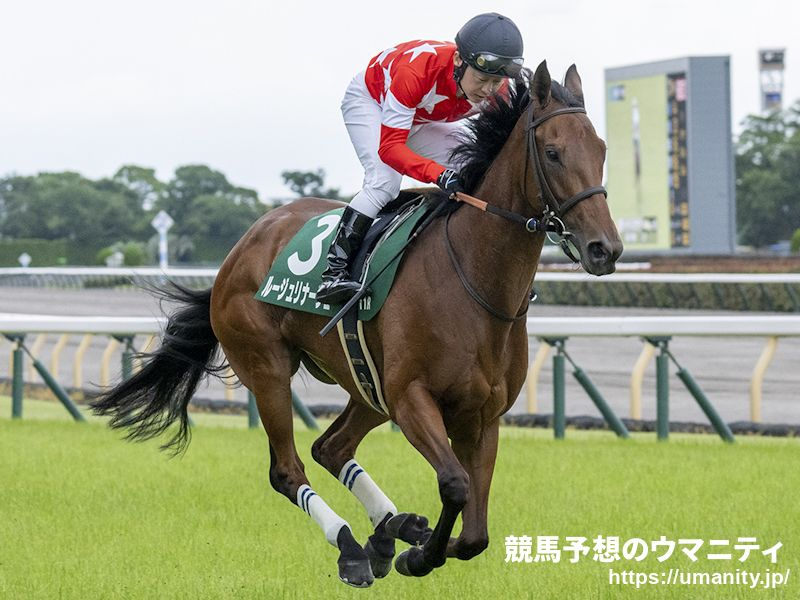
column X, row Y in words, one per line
column 735, row 326
column 546, row 329
column 42, row 273
column 13, row 323
column 770, row 327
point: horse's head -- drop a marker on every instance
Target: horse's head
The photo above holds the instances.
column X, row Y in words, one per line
column 568, row 167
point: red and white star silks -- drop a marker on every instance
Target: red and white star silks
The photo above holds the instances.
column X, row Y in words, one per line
column 413, row 83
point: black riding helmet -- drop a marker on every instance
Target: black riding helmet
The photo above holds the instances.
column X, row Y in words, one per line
column 491, row 44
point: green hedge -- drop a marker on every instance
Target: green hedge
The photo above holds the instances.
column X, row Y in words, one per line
column 43, row 253
column 771, row 297
column 48, row 253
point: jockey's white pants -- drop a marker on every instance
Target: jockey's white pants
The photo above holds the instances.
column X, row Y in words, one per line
column 362, row 117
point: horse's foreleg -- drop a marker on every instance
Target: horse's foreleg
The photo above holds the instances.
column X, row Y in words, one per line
column 478, row 459
column 335, row 450
column 421, row 422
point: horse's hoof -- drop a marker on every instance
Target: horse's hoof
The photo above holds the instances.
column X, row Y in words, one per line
column 381, row 563
column 356, row 573
column 412, row 529
column 411, row 563
column 354, row 567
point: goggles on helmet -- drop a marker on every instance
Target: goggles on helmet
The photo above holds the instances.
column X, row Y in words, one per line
column 494, row 64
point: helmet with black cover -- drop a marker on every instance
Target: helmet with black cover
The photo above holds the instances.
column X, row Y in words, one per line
column 492, row 44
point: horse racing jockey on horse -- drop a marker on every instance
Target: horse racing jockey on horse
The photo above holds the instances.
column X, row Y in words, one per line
column 449, row 344
column 400, row 114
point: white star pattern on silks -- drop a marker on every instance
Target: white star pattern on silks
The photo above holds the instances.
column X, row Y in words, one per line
column 387, row 80
column 421, row 49
column 431, row 99
column 382, row 56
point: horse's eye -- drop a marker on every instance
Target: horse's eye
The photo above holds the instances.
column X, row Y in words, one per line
column 551, row 154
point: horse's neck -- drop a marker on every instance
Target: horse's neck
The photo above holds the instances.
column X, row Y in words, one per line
column 499, row 256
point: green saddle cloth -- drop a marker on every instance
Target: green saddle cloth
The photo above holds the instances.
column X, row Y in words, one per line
column 295, row 275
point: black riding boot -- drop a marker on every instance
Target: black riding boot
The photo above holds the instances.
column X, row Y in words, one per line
column 337, row 287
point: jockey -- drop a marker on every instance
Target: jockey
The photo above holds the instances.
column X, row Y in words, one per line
column 400, row 113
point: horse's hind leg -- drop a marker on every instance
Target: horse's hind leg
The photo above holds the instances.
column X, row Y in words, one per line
column 265, row 369
column 335, row 450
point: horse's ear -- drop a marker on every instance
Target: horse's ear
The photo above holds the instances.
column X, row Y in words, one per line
column 572, row 81
column 540, row 86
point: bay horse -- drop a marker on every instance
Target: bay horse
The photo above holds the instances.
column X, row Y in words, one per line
column 450, row 343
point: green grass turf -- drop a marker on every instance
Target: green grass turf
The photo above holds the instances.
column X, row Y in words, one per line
column 85, row 515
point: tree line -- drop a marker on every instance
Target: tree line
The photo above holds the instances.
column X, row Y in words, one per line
column 768, row 179
column 85, row 220
column 89, row 219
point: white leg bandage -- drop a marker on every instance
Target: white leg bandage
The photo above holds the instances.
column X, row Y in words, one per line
column 318, row 509
column 356, row 479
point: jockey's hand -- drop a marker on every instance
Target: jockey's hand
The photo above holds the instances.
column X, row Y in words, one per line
column 449, row 183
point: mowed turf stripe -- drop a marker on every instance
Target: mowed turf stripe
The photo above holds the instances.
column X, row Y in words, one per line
column 85, row 515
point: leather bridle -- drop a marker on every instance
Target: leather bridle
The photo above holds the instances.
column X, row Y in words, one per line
column 546, row 195
column 552, row 209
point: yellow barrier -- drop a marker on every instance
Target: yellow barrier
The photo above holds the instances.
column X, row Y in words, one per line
column 113, row 344
column 758, row 378
column 36, row 350
column 77, row 363
column 637, row 377
column 56, row 356
column 137, row 362
column 533, row 375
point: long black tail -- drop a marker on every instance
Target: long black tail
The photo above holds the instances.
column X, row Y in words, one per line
column 158, row 395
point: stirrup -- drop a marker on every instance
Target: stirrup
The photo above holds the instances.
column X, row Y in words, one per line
column 337, row 291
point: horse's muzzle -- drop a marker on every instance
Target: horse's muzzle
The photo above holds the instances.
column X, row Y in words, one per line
column 600, row 256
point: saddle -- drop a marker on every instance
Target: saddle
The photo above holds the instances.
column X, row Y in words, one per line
column 405, row 201
column 295, row 275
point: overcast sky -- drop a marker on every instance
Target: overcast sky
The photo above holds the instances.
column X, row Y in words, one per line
column 252, row 87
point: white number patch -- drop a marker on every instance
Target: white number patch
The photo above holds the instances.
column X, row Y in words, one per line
column 299, row 266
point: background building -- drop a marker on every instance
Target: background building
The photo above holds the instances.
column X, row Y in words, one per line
column 670, row 156
column 770, row 71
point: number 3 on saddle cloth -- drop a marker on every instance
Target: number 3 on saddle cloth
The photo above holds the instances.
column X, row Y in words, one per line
column 296, row 274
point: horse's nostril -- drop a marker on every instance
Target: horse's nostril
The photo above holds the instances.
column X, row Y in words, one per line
column 598, row 252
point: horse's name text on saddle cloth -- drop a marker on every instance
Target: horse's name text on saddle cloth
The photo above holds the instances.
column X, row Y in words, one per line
column 295, row 275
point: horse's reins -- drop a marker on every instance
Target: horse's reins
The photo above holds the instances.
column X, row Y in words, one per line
column 549, row 222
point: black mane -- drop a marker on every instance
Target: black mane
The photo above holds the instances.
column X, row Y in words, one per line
column 488, row 133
